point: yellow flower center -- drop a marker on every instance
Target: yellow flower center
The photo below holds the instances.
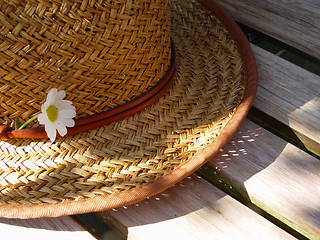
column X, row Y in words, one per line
column 52, row 113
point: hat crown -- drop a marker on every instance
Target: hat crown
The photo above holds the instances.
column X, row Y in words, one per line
column 102, row 53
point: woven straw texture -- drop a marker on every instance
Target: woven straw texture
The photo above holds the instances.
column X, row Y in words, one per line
column 209, row 86
column 103, row 53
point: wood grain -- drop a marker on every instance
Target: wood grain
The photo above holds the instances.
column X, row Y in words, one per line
column 192, row 209
column 274, row 175
column 291, row 95
column 43, row 228
column 294, row 22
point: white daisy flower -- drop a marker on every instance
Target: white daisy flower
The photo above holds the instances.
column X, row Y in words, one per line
column 56, row 114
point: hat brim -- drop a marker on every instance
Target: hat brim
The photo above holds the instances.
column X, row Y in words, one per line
column 203, row 153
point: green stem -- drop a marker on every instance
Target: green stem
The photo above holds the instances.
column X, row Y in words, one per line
column 16, row 123
column 29, row 121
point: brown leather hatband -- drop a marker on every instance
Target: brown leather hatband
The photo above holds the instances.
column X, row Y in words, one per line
column 106, row 117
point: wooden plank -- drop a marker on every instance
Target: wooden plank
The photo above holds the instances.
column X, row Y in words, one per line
column 291, row 95
column 273, row 174
column 192, row 209
column 43, row 228
column 293, row 22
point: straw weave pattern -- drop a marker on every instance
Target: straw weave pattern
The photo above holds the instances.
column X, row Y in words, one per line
column 101, row 52
column 143, row 147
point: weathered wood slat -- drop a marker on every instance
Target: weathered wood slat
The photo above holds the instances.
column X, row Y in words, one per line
column 274, row 175
column 294, row 22
column 43, row 228
column 291, row 95
column 192, row 209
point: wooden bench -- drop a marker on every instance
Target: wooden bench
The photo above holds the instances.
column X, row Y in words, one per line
column 265, row 184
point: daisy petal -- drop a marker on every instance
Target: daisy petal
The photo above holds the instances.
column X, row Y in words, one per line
column 67, row 113
column 62, row 130
column 64, row 104
column 60, row 95
column 42, row 118
column 51, row 96
column 44, row 107
column 51, row 131
column 67, row 122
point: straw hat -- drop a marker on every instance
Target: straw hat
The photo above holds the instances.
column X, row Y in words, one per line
column 124, row 99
